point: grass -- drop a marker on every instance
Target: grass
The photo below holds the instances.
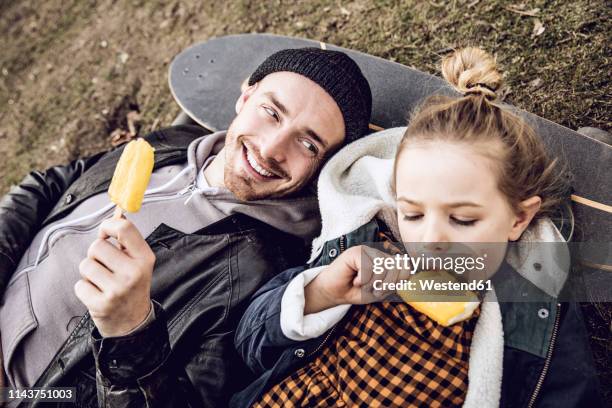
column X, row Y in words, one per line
column 61, row 66
column 64, row 88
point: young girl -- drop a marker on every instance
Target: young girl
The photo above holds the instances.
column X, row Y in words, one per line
column 467, row 169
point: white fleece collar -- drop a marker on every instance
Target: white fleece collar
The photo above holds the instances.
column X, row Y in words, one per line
column 354, row 187
column 486, row 357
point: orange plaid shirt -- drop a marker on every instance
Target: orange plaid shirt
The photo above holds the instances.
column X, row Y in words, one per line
column 383, row 355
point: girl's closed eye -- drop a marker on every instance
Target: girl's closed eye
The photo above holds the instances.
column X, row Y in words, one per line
column 462, row 221
column 412, row 217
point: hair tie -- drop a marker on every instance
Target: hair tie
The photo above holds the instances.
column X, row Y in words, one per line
column 471, row 90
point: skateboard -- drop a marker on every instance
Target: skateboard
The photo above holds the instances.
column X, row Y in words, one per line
column 205, row 81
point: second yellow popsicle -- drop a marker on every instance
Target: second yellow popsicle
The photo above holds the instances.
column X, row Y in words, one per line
column 459, row 306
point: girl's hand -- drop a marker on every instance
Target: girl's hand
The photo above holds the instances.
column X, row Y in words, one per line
column 348, row 280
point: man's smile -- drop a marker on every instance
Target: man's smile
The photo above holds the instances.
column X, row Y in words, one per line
column 255, row 168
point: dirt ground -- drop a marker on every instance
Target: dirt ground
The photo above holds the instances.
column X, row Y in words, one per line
column 70, row 71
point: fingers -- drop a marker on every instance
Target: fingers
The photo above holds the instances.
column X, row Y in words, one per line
column 352, row 257
column 90, row 296
column 390, row 276
column 108, row 255
column 367, row 275
column 92, row 271
column 375, row 285
column 126, row 234
column 362, row 275
column 359, row 259
column 116, row 282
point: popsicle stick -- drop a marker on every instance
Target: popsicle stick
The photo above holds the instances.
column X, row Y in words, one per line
column 118, row 214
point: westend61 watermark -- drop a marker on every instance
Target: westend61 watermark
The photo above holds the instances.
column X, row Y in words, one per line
column 431, row 285
column 514, row 271
column 381, row 265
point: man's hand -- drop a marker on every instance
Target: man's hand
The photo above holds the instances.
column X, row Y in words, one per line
column 116, row 279
column 348, row 280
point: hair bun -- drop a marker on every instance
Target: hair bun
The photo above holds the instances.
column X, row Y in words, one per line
column 472, row 71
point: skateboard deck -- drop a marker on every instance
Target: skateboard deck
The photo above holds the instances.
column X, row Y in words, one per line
column 205, row 81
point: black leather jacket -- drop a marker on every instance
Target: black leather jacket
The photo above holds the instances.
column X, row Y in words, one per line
column 201, row 281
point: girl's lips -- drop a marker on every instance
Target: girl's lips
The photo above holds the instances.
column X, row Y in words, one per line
column 251, row 170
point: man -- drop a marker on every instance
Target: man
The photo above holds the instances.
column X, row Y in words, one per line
column 223, row 213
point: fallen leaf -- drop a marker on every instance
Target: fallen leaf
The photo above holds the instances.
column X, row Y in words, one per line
column 520, row 10
column 123, row 57
column 538, row 28
column 133, row 118
column 154, row 125
column 536, row 83
column 119, row 136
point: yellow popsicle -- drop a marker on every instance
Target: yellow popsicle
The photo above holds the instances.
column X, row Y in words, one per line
column 461, row 304
column 132, row 176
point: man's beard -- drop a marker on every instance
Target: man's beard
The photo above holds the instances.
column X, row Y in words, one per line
column 246, row 188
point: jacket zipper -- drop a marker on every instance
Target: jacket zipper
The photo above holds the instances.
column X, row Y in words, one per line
column 553, row 339
column 151, row 195
column 323, row 342
column 44, row 249
column 50, row 241
column 187, row 190
column 342, row 246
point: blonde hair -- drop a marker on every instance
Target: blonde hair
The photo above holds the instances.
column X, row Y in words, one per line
column 524, row 168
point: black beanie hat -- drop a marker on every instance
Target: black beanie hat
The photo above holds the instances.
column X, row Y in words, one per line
column 336, row 73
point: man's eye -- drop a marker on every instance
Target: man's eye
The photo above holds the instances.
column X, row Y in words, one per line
column 414, row 217
column 271, row 112
column 464, row 223
column 310, row 146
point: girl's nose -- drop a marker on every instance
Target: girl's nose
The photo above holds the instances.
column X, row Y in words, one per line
column 434, row 237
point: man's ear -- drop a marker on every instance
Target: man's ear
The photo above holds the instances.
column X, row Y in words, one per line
column 244, row 96
column 528, row 210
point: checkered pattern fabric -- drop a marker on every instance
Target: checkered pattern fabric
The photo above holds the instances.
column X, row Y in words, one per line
column 384, row 355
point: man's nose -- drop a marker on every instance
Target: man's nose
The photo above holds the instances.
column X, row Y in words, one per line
column 275, row 145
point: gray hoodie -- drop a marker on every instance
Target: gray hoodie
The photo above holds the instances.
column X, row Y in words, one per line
column 40, row 308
